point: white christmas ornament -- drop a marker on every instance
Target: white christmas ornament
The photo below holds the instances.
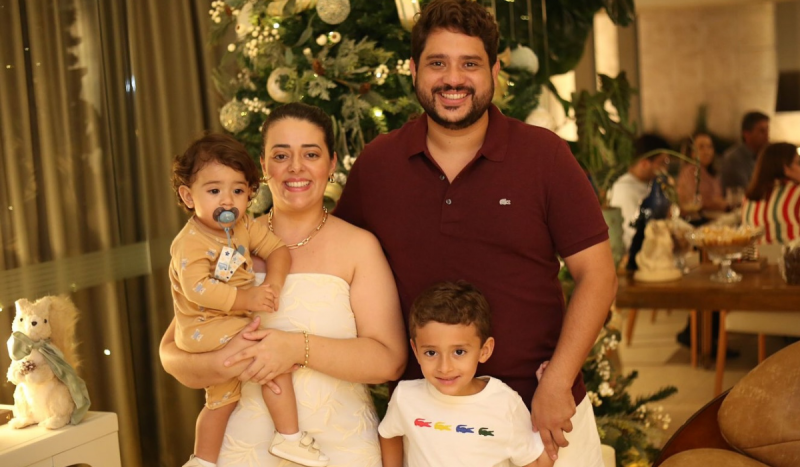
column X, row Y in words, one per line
column 541, row 117
column 243, row 24
column 333, row 11
column 234, row 116
column 524, row 58
column 274, row 85
column 276, row 7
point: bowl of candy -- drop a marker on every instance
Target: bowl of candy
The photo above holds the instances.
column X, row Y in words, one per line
column 723, row 244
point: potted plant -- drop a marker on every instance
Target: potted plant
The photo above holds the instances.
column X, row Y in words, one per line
column 605, row 145
column 605, row 142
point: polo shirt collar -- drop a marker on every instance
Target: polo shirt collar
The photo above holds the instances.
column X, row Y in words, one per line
column 495, row 144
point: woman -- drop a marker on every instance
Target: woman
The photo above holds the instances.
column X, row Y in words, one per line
column 711, row 197
column 773, row 198
column 340, row 291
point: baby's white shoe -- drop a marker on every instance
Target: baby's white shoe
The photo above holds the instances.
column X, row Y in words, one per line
column 196, row 462
column 305, row 451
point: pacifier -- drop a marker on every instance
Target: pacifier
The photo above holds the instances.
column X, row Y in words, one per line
column 226, row 216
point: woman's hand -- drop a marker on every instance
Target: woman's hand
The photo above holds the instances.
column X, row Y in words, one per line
column 271, row 355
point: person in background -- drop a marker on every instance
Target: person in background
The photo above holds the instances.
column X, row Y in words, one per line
column 700, row 148
column 739, row 161
column 772, row 200
column 466, row 193
column 632, row 187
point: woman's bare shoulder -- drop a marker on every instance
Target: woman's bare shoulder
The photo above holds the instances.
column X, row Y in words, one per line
column 354, row 240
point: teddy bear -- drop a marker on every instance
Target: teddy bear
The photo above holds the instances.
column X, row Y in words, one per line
column 43, row 354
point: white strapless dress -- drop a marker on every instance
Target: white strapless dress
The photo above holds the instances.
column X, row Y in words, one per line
column 339, row 414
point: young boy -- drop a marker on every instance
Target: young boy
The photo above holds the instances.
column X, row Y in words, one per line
column 212, row 287
column 451, row 417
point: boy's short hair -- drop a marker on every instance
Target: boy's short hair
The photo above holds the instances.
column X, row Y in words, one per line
column 213, row 147
column 452, row 303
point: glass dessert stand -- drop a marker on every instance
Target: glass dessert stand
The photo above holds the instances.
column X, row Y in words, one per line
column 723, row 245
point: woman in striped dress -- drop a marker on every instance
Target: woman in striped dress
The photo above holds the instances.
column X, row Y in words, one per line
column 773, row 198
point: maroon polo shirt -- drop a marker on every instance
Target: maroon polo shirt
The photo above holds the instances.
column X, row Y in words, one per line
column 520, row 202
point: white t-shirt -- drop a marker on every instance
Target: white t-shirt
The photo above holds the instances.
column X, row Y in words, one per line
column 486, row 429
column 627, row 193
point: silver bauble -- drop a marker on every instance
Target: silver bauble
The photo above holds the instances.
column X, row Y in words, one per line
column 234, row 116
column 262, row 201
column 333, row 11
column 274, row 85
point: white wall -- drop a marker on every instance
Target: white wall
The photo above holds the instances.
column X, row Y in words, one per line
column 723, row 57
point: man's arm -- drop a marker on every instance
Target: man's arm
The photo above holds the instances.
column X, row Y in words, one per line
column 595, row 289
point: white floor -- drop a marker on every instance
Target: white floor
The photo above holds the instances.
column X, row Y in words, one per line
column 660, row 361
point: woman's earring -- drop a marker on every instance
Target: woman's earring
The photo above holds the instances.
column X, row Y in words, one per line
column 331, row 179
column 265, row 179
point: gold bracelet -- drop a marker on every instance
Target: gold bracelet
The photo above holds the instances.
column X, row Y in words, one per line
column 305, row 362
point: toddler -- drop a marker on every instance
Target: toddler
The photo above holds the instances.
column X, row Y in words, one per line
column 212, row 287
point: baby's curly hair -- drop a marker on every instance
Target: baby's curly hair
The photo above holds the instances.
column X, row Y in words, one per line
column 213, row 147
column 451, row 303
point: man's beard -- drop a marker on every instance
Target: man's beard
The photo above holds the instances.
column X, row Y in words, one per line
column 480, row 103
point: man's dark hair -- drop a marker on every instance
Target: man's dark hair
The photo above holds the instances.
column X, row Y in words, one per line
column 648, row 142
column 451, row 303
column 751, row 119
column 464, row 16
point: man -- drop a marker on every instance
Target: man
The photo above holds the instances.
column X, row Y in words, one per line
column 631, row 188
column 739, row 161
column 464, row 192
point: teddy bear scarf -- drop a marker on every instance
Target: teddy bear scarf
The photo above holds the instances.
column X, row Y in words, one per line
column 21, row 347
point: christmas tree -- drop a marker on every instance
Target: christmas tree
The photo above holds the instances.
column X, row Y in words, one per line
column 350, row 58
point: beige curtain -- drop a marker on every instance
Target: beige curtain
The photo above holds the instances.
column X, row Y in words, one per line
column 95, row 98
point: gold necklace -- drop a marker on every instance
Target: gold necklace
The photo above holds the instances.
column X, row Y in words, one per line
column 310, row 236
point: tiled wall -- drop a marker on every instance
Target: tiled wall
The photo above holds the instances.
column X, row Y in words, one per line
column 720, row 56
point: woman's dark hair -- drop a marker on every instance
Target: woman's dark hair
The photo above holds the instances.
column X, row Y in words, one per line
column 213, row 147
column 300, row 111
column 769, row 168
column 687, row 149
column 464, row 16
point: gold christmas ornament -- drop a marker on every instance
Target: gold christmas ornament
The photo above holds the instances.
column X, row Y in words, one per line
column 406, row 10
column 234, row 116
column 262, row 201
column 333, row 11
column 274, row 85
column 501, row 87
column 505, row 57
column 334, row 191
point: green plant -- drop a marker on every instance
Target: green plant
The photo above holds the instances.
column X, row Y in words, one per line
column 605, row 145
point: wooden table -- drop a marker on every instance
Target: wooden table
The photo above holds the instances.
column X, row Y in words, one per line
column 762, row 290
